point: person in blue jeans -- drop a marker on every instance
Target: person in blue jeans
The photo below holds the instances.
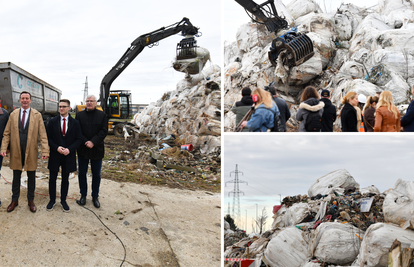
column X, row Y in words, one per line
column 4, row 118
column 94, row 127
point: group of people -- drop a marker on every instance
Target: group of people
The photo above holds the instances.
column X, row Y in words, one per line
column 267, row 106
column 316, row 112
column 60, row 139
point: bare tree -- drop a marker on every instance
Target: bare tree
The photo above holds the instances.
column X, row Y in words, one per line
column 261, row 221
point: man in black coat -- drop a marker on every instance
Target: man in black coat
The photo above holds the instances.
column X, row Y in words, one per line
column 64, row 136
column 329, row 112
column 94, row 126
column 281, row 104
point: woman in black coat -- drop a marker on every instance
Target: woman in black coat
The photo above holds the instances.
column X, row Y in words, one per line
column 349, row 114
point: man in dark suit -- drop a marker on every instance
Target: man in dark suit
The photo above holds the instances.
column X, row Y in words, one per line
column 65, row 136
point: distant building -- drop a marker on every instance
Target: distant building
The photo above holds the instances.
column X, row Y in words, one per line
column 137, row 108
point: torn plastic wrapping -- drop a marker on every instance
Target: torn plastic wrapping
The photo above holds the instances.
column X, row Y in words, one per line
column 399, row 204
column 290, row 216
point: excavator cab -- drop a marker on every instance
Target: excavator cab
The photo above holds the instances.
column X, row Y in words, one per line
column 119, row 104
column 187, row 48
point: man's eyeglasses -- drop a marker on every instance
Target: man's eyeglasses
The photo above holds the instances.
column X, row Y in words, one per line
column 63, row 106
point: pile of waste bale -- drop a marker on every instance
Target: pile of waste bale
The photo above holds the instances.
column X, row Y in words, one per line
column 191, row 112
column 336, row 224
column 365, row 50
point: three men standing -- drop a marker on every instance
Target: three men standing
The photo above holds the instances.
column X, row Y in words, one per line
column 94, row 126
column 65, row 136
column 22, row 131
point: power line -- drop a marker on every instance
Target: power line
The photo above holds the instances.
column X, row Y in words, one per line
column 236, row 193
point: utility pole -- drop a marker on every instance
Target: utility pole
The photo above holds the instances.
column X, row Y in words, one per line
column 236, row 193
column 85, row 91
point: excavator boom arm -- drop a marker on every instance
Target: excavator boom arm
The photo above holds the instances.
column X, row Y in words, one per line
column 268, row 16
column 184, row 26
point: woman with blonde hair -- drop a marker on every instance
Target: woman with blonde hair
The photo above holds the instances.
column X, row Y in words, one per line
column 387, row 118
column 310, row 104
column 349, row 118
column 369, row 113
column 263, row 116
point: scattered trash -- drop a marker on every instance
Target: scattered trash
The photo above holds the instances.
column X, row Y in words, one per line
column 188, row 147
column 341, row 225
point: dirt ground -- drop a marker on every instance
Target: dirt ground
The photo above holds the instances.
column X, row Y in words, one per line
column 160, row 222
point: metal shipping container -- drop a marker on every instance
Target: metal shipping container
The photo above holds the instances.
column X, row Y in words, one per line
column 14, row 80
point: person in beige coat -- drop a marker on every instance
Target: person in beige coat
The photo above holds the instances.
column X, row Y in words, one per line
column 24, row 128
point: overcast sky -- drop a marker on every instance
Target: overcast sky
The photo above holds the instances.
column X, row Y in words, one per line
column 62, row 42
column 290, row 164
column 235, row 15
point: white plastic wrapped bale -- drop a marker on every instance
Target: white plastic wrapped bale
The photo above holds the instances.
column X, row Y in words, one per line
column 291, row 216
column 396, row 12
column 193, row 65
column 367, row 31
column 288, row 249
column 323, row 46
column 306, row 71
column 334, row 181
column 252, row 35
column 299, row 8
column 377, row 242
column 399, row 204
column 336, row 243
column 370, row 189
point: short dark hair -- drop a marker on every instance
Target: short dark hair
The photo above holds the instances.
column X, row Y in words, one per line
column 66, row 101
column 246, row 91
column 25, row 92
column 271, row 89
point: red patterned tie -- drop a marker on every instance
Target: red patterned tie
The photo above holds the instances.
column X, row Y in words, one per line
column 64, row 127
column 23, row 118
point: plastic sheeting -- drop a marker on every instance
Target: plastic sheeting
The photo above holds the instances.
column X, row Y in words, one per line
column 336, row 243
column 290, row 216
column 288, row 249
column 399, row 204
column 377, row 242
column 334, row 181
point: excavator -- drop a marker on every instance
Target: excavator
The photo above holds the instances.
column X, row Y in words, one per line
column 295, row 48
column 116, row 104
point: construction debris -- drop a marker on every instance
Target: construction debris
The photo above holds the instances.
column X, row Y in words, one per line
column 336, row 224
